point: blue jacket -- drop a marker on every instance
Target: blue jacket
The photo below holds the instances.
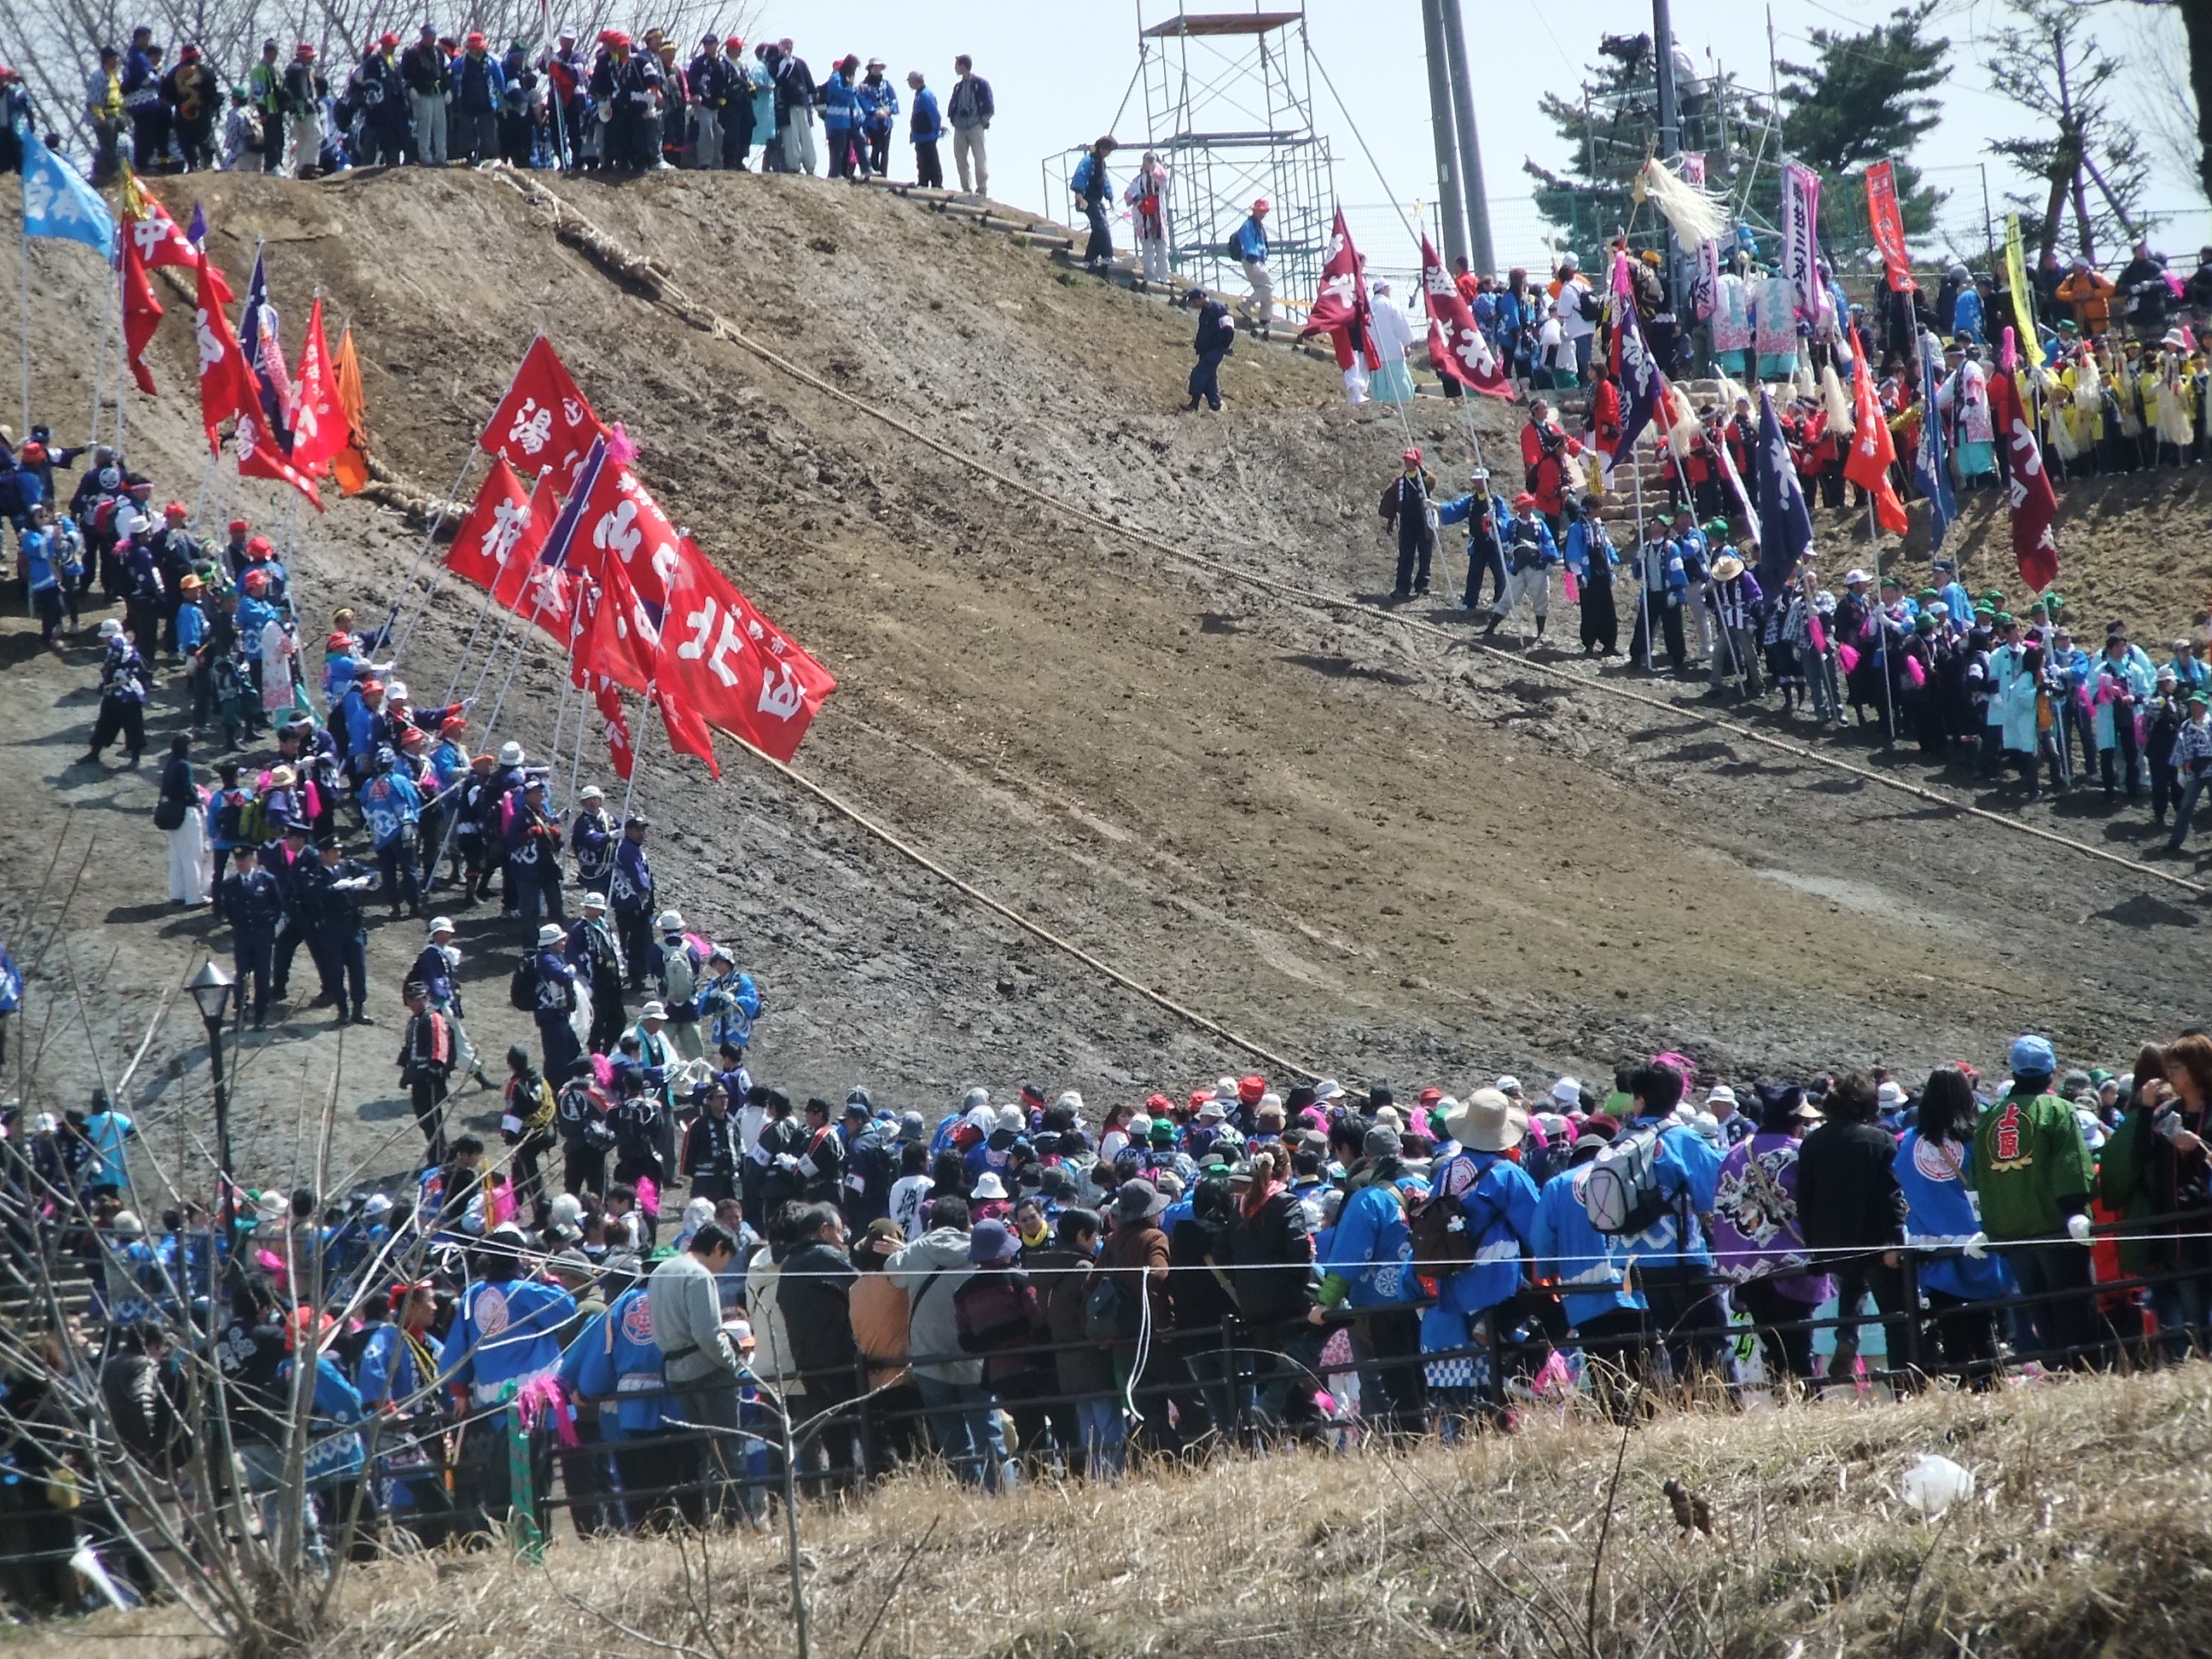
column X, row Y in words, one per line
column 556, row 986
column 254, row 616
column 630, row 889
column 354, row 713
column 505, row 1331
column 389, row 803
column 1494, row 519
column 878, row 101
column 1586, row 537
column 1499, row 1202
column 614, row 1359
column 1937, row 1179
column 841, row 102
column 479, row 83
column 1590, row 1267
column 1251, row 239
column 331, row 1457
column 925, row 125
column 1370, row 1251
column 38, row 551
column 1689, row 1180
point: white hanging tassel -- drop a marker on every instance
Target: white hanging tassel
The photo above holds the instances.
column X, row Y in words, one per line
column 1697, row 217
column 1801, row 383
column 1838, row 405
column 1682, row 422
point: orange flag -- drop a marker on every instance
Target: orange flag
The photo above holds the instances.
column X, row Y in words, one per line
column 349, row 461
column 1873, row 449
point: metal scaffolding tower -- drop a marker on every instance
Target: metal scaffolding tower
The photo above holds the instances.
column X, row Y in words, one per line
column 1229, row 106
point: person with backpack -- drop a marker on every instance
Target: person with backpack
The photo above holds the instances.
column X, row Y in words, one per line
column 1095, row 189
column 1854, row 1215
column 1653, row 1186
column 677, row 969
column 1530, row 552
column 1471, row 1235
column 1588, row 1268
column 1935, row 1167
column 581, row 1112
column 2033, row 1175
column 391, row 806
column 1577, row 306
column 1128, row 1306
column 303, row 89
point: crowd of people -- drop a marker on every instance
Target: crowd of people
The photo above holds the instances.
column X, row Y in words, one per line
column 1035, row 1288
column 611, row 104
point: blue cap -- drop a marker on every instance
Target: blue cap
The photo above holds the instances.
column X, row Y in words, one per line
column 991, row 1241
column 2032, row 1056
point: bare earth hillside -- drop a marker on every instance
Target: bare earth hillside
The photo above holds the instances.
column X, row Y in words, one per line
column 1367, row 850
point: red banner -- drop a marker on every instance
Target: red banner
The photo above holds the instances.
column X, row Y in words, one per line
column 142, row 315
column 620, row 517
column 734, row 666
column 1873, row 449
column 620, row 642
column 494, row 529
column 687, row 730
column 318, row 424
column 1888, row 223
column 622, row 752
column 259, row 457
column 160, row 242
column 1456, row 346
column 226, row 384
column 2034, row 502
column 543, row 420
column 1342, row 310
column 537, row 593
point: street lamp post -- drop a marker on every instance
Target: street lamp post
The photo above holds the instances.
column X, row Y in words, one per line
column 211, row 988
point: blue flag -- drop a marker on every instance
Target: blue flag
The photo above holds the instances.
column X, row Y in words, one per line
column 561, row 540
column 1642, row 386
column 197, row 235
column 56, row 201
column 1785, row 527
column 258, row 341
column 1931, row 466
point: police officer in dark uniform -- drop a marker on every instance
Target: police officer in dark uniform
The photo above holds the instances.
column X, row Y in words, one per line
column 336, row 884
column 255, row 906
column 289, row 859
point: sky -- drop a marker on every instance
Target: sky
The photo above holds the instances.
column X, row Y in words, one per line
column 1060, row 73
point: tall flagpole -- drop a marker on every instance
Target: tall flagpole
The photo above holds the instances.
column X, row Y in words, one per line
column 636, row 756
column 122, row 361
column 1882, row 627
column 27, row 328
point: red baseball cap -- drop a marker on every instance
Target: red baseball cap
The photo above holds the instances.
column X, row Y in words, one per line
column 240, row 526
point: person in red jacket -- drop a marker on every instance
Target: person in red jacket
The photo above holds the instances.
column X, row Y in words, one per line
column 1546, row 453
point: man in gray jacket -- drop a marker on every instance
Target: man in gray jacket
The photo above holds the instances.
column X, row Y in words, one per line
column 962, row 1418
column 697, row 1357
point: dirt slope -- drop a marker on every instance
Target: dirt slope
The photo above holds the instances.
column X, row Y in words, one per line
column 1359, row 846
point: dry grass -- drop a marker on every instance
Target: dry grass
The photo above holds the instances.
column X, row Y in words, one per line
column 2091, row 1535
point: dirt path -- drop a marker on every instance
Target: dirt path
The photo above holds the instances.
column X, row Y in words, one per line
column 1363, row 849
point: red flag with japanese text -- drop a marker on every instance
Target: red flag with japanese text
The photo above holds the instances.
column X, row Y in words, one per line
column 733, row 665
column 494, row 529
column 621, row 750
column 142, row 315
column 149, row 229
column 543, row 420
column 621, row 641
column 1342, row 310
column 537, row 593
column 1887, row 221
column 1456, row 346
column 227, row 386
column 687, row 729
column 1872, row 448
column 2034, row 502
column 259, row 457
column 318, row 424
column 620, row 524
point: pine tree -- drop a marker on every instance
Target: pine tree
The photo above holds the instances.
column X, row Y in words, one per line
column 1611, row 124
column 1866, row 100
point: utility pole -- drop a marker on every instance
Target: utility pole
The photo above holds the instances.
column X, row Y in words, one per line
column 1451, row 211
column 1470, row 148
column 1670, row 138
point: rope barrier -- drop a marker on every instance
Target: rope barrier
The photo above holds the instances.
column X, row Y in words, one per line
column 666, row 293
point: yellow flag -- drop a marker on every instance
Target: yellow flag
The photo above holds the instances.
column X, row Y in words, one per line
column 2023, row 297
